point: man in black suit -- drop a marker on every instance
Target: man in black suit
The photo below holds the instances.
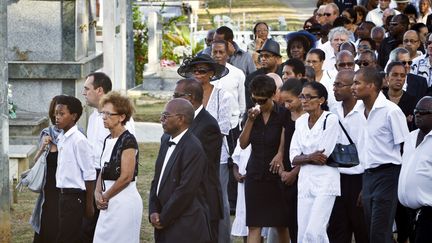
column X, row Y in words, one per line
column 177, row 207
column 206, row 129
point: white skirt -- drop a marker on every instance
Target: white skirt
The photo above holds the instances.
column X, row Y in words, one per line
column 121, row 221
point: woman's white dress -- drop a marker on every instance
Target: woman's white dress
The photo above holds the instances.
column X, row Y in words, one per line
column 121, row 221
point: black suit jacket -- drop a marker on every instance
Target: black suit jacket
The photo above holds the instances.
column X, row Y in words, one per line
column 206, row 129
column 180, row 202
column 417, row 86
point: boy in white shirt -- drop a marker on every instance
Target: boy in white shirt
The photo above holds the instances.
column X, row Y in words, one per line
column 75, row 175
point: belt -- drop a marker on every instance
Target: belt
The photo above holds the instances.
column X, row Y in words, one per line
column 381, row 167
column 70, row 190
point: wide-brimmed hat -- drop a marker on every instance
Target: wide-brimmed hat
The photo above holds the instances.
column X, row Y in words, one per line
column 186, row 68
column 271, row 46
column 302, row 35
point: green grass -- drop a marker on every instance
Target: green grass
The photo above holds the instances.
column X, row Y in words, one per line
column 242, row 3
column 149, row 112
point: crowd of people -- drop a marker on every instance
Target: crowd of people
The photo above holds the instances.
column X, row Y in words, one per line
column 358, row 73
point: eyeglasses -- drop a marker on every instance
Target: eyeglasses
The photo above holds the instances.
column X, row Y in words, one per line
column 312, row 61
column 366, row 47
column 179, row 95
column 363, row 63
column 408, row 41
column 307, row 97
column 405, row 63
column 422, row 112
column 265, row 55
column 345, row 64
column 200, row 71
column 258, row 101
column 165, row 115
column 327, row 14
column 107, row 114
column 340, row 85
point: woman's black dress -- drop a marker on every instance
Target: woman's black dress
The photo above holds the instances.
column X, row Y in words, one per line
column 49, row 220
column 265, row 203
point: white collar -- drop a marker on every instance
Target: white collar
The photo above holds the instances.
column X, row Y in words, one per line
column 197, row 111
column 178, row 137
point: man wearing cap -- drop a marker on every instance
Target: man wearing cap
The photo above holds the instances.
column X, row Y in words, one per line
column 271, row 63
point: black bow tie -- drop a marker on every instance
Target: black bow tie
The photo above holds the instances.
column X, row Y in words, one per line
column 171, row 143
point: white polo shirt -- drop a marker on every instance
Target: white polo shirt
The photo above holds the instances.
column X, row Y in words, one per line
column 233, row 83
column 415, row 179
column 354, row 123
column 96, row 134
column 74, row 165
column 386, row 128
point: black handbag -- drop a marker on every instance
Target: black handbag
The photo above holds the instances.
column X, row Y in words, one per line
column 344, row 155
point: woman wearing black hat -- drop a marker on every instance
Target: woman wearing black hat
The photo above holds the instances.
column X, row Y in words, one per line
column 217, row 102
column 299, row 43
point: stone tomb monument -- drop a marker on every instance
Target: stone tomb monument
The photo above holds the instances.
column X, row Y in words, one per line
column 51, row 48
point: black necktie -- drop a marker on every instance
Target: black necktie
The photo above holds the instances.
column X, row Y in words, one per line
column 171, row 143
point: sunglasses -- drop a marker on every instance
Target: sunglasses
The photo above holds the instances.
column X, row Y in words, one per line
column 362, row 63
column 265, row 55
column 200, row 71
column 422, row 112
column 405, row 63
column 259, row 101
column 345, row 64
column 327, row 14
column 428, row 43
column 394, row 23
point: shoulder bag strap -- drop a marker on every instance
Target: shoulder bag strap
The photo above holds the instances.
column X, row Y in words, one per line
column 346, row 133
column 325, row 121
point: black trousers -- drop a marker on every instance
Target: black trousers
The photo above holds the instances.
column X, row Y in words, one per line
column 423, row 225
column 89, row 225
column 71, row 214
column 404, row 223
column 380, row 201
column 347, row 218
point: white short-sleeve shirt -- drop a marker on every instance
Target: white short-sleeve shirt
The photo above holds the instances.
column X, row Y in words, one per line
column 354, row 123
column 415, row 179
column 386, row 128
column 74, row 165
